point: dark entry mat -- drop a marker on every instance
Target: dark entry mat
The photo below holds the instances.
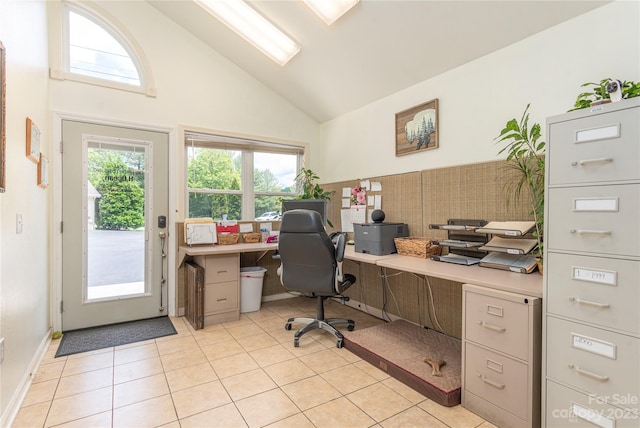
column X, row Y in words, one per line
column 107, row 336
column 399, row 348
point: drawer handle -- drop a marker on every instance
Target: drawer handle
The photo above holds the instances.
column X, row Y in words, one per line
column 589, row 374
column 589, row 302
column 591, row 232
column 592, row 161
column 221, row 271
column 221, row 300
column 492, row 383
column 492, row 327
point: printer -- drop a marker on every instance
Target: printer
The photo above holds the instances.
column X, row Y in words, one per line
column 377, row 238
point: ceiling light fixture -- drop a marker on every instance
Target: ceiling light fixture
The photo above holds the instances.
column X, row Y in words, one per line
column 253, row 27
column 330, row 10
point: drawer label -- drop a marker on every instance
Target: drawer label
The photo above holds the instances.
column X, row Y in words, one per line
column 595, row 346
column 602, row 133
column 591, row 275
column 596, row 204
column 592, row 416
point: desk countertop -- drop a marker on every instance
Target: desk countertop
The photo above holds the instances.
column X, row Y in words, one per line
column 528, row 284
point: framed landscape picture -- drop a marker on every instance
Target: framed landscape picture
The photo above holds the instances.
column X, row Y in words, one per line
column 417, row 128
column 43, row 171
column 33, row 141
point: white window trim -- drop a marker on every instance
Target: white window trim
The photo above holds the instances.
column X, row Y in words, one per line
column 59, row 53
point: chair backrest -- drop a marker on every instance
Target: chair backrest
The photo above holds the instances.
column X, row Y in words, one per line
column 307, row 254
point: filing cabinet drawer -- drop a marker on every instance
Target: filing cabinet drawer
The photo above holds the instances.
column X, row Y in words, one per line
column 595, row 148
column 220, row 297
column 498, row 379
column 497, row 323
column 569, row 408
column 594, row 360
column 221, row 268
column 596, row 219
column 595, row 289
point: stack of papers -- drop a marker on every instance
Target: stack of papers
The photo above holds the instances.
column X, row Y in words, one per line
column 454, row 258
column 507, row 228
column 457, row 243
column 515, row 263
column 510, row 245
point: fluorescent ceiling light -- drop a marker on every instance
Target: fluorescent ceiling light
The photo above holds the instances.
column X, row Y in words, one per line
column 330, row 10
column 253, row 27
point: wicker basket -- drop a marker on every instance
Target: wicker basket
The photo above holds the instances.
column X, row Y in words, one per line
column 252, row 237
column 228, row 238
column 416, row 247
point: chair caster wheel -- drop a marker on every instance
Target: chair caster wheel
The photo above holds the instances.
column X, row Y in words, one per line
column 287, row 326
column 339, row 344
column 351, row 327
column 296, row 344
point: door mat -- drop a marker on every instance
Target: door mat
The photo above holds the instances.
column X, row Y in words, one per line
column 107, row 336
column 400, row 348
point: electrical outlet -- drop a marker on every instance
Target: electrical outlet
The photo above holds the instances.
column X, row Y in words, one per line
column 1, row 349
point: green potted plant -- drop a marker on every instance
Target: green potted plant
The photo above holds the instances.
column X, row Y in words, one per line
column 525, row 155
column 598, row 93
column 306, row 179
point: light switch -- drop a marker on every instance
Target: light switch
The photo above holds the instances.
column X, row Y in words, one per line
column 18, row 223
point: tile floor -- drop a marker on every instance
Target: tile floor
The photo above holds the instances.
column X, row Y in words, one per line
column 245, row 373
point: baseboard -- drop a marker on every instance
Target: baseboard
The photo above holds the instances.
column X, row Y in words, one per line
column 16, row 400
column 371, row 310
column 281, row 296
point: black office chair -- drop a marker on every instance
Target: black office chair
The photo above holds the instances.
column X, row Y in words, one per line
column 312, row 265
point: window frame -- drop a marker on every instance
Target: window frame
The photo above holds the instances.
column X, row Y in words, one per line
column 247, row 147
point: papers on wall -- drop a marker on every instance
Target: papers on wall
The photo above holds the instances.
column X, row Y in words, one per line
column 346, row 192
column 376, row 186
column 355, row 214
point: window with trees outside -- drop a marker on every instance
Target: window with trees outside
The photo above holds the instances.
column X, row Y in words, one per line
column 239, row 179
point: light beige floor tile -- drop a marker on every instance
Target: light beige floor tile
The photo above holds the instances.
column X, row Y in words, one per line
column 136, row 370
column 79, row 406
column 244, row 320
column 89, row 353
column 83, row 382
column 32, row 416
column 139, row 390
column 101, row 420
column 50, row 354
column 407, row 392
column 289, row 371
column 486, row 424
column 272, row 324
column 49, row 370
column 245, row 330
column 41, row 392
column 257, row 341
column 190, row 376
column 348, row 378
column 296, row 421
column 346, row 354
column 324, row 361
column 261, row 315
column 179, row 359
column 185, row 344
column 311, row 392
column 271, row 355
column 211, row 337
column 455, row 417
column 174, row 424
column 338, row 413
column 268, row 407
column 222, row 350
column 221, row 417
column 247, row 384
column 412, row 417
column 135, row 353
column 372, row 370
column 379, row 401
column 200, row 398
column 150, row 413
column 233, row 365
column 88, row 363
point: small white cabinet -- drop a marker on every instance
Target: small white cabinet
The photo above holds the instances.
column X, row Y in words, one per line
column 221, row 290
column 501, row 334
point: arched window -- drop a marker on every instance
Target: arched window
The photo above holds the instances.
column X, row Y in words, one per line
column 95, row 50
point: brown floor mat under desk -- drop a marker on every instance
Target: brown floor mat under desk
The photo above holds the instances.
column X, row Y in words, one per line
column 399, row 348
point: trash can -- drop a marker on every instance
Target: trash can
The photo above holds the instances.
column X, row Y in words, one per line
column 251, row 279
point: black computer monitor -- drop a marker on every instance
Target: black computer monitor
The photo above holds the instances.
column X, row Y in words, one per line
column 319, row 205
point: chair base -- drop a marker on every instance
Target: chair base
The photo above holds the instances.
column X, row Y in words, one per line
column 326, row 325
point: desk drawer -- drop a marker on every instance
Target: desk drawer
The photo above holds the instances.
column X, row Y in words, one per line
column 221, row 268
column 498, row 379
column 591, row 359
column 220, row 297
column 569, row 408
column 597, row 290
column 596, row 219
column 497, row 323
column 597, row 148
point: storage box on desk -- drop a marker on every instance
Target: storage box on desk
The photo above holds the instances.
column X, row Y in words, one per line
column 228, row 238
column 417, row 247
column 252, row 237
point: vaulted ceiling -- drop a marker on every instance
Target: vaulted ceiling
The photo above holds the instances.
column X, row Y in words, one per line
column 376, row 49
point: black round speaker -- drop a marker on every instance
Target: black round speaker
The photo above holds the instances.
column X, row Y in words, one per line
column 377, row 216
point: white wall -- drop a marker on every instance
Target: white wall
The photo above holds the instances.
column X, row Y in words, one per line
column 24, row 258
column 478, row 98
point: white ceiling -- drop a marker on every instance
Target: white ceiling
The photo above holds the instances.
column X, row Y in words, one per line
column 376, row 49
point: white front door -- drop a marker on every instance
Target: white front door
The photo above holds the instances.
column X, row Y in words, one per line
column 114, row 193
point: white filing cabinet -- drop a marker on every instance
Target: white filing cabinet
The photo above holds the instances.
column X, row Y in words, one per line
column 501, row 356
column 591, row 355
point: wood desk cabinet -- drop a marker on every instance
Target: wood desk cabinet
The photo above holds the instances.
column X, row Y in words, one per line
column 221, row 288
column 501, row 334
